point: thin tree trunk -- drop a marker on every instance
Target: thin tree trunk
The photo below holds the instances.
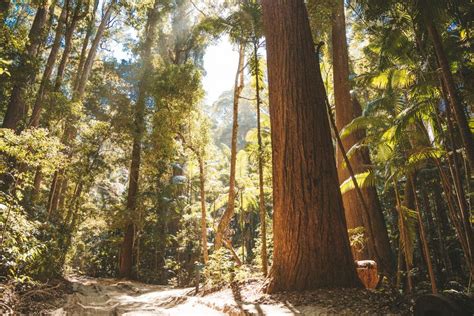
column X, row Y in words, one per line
column 403, row 234
column 432, row 235
column 424, row 242
column 82, row 58
column 442, row 228
column 70, row 131
column 68, row 46
column 48, row 70
column 202, row 179
column 261, row 196
column 37, row 184
column 126, row 261
column 311, row 243
column 229, row 212
column 448, row 79
column 93, row 51
column 25, row 73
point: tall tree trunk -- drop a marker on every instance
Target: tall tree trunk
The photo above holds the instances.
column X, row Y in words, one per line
column 311, row 244
column 126, row 259
column 93, row 50
column 25, row 73
column 378, row 244
column 77, row 16
column 424, row 241
column 448, row 79
column 442, row 230
column 202, row 179
column 70, row 130
column 431, row 236
column 48, row 70
column 83, row 56
column 229, row 212
column 261, row 196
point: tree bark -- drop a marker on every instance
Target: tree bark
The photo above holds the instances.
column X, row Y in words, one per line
column 77, row 16
column 202, row 179
column 83, row 56
column 378, row 244
column 261, row 196
column 311, row 244
column 26, row 71
column 93, row 51
column 48, row 70
column 424, row 241
column 126, row 259
column 448, row 79
column 229, row 212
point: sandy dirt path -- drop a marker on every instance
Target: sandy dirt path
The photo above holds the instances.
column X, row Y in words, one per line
column 114, row 297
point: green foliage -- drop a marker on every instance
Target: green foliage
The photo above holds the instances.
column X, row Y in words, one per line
column 220, row 269
column 364, row 180
column 33, row 147
column 357, row 238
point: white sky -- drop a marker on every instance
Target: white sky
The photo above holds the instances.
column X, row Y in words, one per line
column 220, row 63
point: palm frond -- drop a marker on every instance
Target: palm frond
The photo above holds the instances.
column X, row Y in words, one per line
column 364, row 180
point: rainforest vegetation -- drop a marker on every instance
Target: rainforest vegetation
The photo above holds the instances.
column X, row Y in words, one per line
column 341, row 157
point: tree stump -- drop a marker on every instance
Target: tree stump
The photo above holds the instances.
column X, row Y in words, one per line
column 368, row 273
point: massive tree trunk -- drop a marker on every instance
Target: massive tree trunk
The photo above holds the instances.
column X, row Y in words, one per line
column 48, row 70
column 25, row 73
column 229, row 212
column 453, row 99
column 311, row 244
column 378, row 244
column 126, row 254
column 261, row 196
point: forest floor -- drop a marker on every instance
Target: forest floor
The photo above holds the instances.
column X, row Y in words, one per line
column 88, row 296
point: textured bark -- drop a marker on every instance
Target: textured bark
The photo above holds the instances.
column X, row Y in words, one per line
column 261, row 196
column 48, row 70
column 448, row 79
column 25, row 73
column 126, row 254
column 202, row 184
column 229, row 212
column 311, row 244
column 378, row 244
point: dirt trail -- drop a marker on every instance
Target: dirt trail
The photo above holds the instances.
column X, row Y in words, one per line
column 113, row 297
column 116, row 297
